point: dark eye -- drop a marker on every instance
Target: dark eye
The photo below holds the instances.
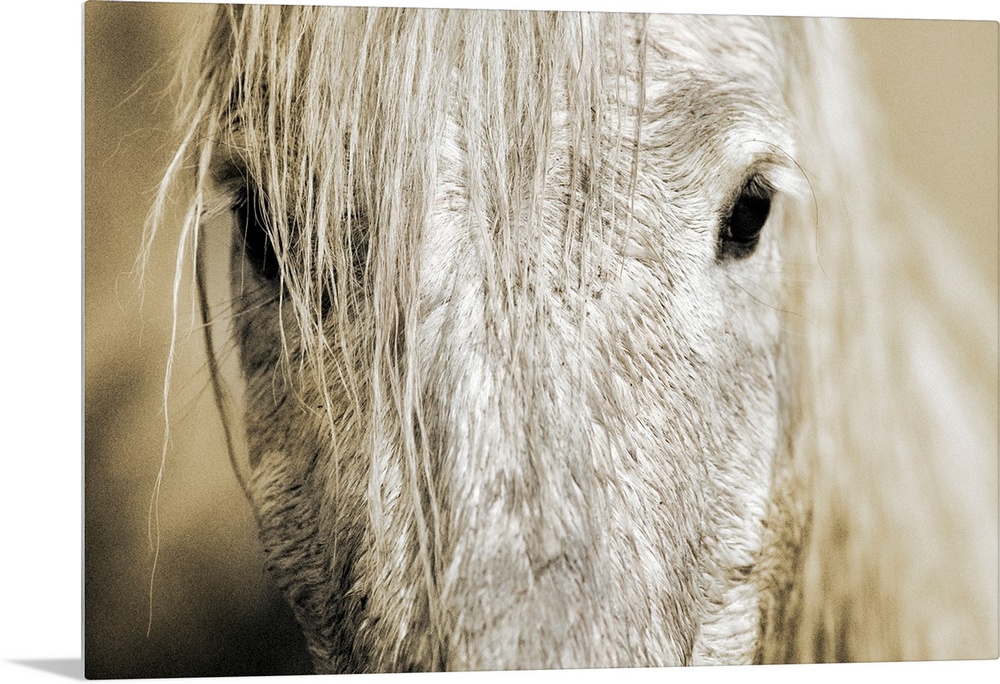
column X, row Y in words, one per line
column 252, row 230
column 741, row 227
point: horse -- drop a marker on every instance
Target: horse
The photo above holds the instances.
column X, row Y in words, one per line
column 585, row 340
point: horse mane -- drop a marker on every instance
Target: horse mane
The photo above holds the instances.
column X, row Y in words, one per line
column 894, row 433
column 883, row 523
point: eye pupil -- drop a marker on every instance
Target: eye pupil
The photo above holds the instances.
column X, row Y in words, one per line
column 748, row 217
column 740, row 231
column 252, row 231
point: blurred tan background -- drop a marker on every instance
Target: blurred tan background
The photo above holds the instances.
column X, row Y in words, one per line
column 214, row 609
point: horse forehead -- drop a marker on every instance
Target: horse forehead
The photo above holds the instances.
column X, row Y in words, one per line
column 709, row 44
column 733, row 63
column 716, row 85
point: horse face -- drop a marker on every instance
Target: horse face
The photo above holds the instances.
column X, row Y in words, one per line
column 511, row 379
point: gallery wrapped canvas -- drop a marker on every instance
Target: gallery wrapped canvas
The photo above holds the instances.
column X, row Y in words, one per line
column 466, row 339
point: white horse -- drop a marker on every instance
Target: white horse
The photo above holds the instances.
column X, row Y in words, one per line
column 589, row 340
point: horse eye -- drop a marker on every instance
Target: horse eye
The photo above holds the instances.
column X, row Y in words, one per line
column 740, row 230
column 252, row 228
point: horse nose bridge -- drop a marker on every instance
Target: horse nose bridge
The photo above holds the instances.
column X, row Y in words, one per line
column 510, row 455
column 491, row 351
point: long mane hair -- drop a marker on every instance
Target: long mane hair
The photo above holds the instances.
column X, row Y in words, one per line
column 882, row 528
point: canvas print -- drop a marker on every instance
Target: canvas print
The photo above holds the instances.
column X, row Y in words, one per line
column 457, row 339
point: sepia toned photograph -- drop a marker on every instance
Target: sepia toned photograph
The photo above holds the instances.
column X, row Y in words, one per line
column 482, row 340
